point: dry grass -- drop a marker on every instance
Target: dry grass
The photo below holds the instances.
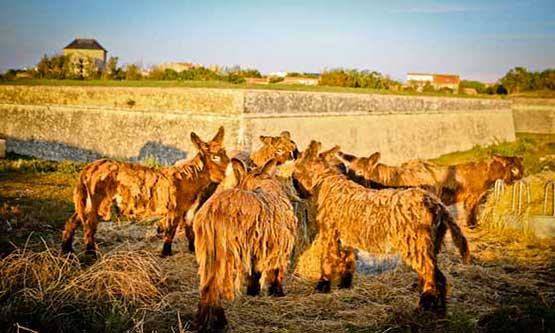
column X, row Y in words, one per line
column 509, row 286
column 146, row 293
column 55, row 293
column 502, row 213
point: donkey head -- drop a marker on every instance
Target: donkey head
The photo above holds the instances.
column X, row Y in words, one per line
column 508, row 168
column 331, row 156
column 281, row 148
column 307, row 169
column 360, row 166
column 212, row 154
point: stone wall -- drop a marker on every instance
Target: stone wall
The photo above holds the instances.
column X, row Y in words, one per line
column 86, row 123
column 534, row 115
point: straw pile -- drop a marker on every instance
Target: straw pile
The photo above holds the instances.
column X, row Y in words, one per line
column 500, row 213
column 48, row 290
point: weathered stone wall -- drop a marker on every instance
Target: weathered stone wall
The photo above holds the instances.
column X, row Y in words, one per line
column 287, row 102
column 139, row 99
column 89, row 122
column 399, row 137
column 60, row 132
column 534, row 115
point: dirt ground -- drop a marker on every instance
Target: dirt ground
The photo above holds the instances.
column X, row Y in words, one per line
column 508, row 287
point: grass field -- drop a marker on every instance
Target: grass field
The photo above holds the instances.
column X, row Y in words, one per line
column 508, row 287
column 227, row 85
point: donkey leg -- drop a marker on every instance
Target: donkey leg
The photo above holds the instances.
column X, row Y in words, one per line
column 441, row 282
column 253, row 280
column 253, row 283
column 471, row 205
column 330, row 257
column 69, row 232
column 89, row 229
column 419, row 254
column 189, row 233
column 275, row 278
column 211, row 318
column 169, row 233
column 434, row 291
column 347, row 267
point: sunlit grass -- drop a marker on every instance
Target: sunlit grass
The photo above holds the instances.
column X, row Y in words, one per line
column 228, row 85
column 538, row 151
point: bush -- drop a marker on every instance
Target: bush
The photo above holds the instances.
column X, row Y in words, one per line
column 275, row 79
column 355, row 79
column 235, row 78
column 477, row 85
column 133, row 72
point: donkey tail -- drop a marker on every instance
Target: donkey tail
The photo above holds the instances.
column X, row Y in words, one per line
column 456, row 234
column 80, row 195
column 215, row 254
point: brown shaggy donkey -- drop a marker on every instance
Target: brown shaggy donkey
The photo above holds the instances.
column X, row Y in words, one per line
column 411, row 221
column 246, row 231
column 466, row 183
column 281, row 147
column 140, row 191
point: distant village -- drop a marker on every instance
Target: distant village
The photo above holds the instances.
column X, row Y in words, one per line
column 86, row 50
column 86, row 59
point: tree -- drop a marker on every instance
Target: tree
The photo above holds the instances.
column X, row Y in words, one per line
column 111, row 69
column 516, row 80
column 43, row 67
column 156, row 73
column 477, row 85
column 133, row 72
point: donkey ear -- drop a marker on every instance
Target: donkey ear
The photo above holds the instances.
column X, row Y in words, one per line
column 330, row 152
column 499, row 158
column 269, row 168
column 313, row 148
column 374, row 158
column 285, row 135
column 219, row 137
column 197, row 142
column 265, row 139
column 234, row 172
column 239, row 169
column 346, row 158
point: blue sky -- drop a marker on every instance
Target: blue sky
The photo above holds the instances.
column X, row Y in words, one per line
column 476, row 39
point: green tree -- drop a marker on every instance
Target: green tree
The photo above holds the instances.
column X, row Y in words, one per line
column 516, row 80
column 111, row 69
column 170, row 74
column 43, row 67
column 477, row 85
column 133, row 72
column 156, row 73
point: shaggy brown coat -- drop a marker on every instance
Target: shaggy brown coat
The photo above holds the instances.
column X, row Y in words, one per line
column 281, row 148
column 465, row 183
column 244, row 232
column 411, row 221
column 139, row 191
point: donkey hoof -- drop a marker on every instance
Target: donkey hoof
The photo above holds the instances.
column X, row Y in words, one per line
column 346, row 281
column 66, row 248
column 276, row 291
column 211, row 319
column 166, row 250
column 90, row 251
column 427, row 302
column 323, row 286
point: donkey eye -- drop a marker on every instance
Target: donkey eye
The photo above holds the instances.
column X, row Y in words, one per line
column 216, row 158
